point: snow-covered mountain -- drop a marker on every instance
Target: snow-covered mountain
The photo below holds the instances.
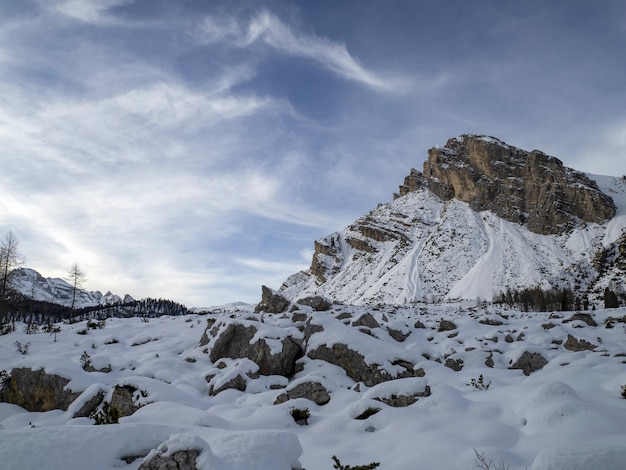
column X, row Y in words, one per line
column 33, row 285
column 482, row 219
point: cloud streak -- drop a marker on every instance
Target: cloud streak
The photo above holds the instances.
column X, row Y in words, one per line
column 266, row 29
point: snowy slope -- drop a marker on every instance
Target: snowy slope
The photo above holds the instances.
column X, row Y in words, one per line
column 33, row 285
column 568, row 415
column 439, row 251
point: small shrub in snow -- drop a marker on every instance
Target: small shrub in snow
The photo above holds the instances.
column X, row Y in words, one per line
column 623, row 391
column 108, row 414
column 85, row 360
column 300, row 415
column 371, row 411
column 485, row 463
column 480, row 384
column 339, row 466
column 22, row 348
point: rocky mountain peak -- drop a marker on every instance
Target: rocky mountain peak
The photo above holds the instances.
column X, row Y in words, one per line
column 530, row 188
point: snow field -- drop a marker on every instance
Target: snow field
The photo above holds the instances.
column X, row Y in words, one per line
column 567, row 415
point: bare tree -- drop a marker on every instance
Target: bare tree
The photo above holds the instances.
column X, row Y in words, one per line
column 76, row 276
column 10, row 258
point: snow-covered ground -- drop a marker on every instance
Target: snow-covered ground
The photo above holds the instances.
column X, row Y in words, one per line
column 568, row 415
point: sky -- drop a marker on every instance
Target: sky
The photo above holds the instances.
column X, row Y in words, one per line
column 194, row 150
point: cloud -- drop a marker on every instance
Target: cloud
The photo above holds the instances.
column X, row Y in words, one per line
column 90, row 11
column 267, row 29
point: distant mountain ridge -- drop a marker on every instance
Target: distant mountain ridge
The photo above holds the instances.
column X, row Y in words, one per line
column 33, row 285
column 482, row 219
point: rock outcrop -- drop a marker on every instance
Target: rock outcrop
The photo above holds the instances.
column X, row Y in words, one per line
column 356, row 367
column 238, row 340
column 271, row 301
column 37, row 390
column 529, row 188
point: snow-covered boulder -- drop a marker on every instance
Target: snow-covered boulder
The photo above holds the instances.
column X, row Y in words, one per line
column 364, row 358
column 37, row 390
column 529, row 362
column 310, row 389
column 273, row 349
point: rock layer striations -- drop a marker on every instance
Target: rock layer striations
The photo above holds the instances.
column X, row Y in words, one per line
column 529, row 188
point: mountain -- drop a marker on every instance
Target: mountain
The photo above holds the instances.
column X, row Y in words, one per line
column 33, row 285
column 482, row 219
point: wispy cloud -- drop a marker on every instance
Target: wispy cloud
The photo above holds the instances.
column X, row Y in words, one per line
column 266, row 28
column 89, row 11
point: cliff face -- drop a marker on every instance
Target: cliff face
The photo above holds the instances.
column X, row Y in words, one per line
column 530, row 188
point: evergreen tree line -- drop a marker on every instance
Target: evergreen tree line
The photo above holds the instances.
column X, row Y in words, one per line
column 535, row 299
column 25, row 309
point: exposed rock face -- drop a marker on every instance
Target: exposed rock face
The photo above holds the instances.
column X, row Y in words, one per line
column 530, row 188
column 235, row 341
column 271, row 301
column 355, row 366
column 327, row 257
column 180, row 460
column 313, row 391
column 36, row 390
column 123, row 400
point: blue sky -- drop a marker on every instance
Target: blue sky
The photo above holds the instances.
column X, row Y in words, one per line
column 194, row 150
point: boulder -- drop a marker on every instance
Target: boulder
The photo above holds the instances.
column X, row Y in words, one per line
column 355, row 366
column 37, row 390
column 179, row 460
column 397, row 334
column 366, row 320
column 271, row 302
column 123, row 399
column 399, row 393
column 238, row 382
column 238, row 340
column 584, row 317
column 317, row 303
column 529, row 362
column 575, row 344
column 90, row 406
column 446, row 325
column 313, row 391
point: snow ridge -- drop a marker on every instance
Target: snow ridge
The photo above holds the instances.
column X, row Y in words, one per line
column 33, row 285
